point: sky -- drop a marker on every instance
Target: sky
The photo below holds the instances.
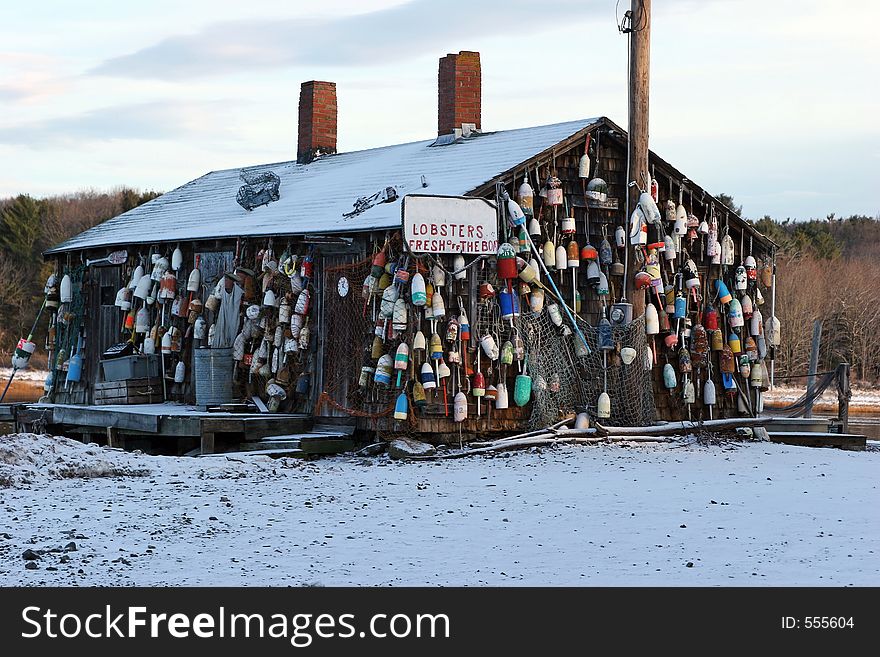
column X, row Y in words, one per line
column 773, row 101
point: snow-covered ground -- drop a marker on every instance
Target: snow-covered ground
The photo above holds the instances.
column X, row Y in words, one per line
column 743, row 514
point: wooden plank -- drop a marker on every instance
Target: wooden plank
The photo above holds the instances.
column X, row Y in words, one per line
column 105, row 418
column 848, row 441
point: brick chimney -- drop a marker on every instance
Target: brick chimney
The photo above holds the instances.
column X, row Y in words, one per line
column 317, row 120
column 458, row 91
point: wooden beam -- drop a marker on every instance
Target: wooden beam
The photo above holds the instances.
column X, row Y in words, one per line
column 207, row 443
column 639, row 83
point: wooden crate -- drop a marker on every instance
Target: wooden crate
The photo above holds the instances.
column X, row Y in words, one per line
column 132, row 391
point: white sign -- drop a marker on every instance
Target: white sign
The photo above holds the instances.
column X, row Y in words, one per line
column 449, row 224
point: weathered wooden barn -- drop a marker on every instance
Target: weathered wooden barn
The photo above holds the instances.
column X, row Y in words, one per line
column 309, row 277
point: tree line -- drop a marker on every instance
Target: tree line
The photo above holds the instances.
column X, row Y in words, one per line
column 826, row 270
column 29, row 226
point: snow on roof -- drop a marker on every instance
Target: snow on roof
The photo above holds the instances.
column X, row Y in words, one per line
column 314, row 196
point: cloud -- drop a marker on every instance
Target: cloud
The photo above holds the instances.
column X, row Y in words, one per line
column 403, row 31
column 142, row 121
column 29, row 78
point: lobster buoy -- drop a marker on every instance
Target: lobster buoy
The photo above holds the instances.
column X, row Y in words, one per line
column 490, row 347
column 417, row 290
column 568, row 227
column 606, row 254
column 427, row 377
column 669, row 251
column 438, row 276
column 638, row 228
column 734, row 343
column 689, row 394
column 506, row 262
column 669, row 379
column 149, row 346
column 555, row 314
column 727, row 250
column 602, row 285
column 458, row 265
column 603, row 405
column 383, row 370
column 710, row 318
column 680, row 307
column 269, row 299
column 606, row 341
column 478, row 387
column 515, row 212
column 176, row 259
column 418, row 394
column 436, row 347
column 548, row 252
column 378, row 266
column 194, row 281
column 401, row 407
column 751, row 267
column 160, row 266
column 740, row 278
column 142, row 289
column 735, row 313
column 401, row 357
column 459, row 407
column 647, row 206
column 684, row 361
column 573, row 254
column 724, row 295
column 594, row 274
column 501, row 396
column 652, row 321
column 554, row 191
column 767, row 274
column 136, row 276
column 522, row 389
column 757, row 375
column 180, row 372
column 142, row 321
column 597, row 189
column 620, row 237
column 66, row 290
column 419, row 342
column 525, row 196
column 773, row 331
column 628, row 355
column 747, row 307
column 506, row 353
column 464, row 326
column 561, row 258
column 438, row 307
column 400, row 315
column 536, row 300
column 22, row 354
column 534, row 229
column 709, row 398
column 74, row 368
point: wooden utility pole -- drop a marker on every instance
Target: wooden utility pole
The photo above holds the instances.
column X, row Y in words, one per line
column 639, row 77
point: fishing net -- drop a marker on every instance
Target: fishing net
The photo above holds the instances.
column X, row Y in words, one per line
column 565, row 383
column 562, row 381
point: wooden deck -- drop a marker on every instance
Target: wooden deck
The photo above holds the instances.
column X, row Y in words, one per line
column 175, row 428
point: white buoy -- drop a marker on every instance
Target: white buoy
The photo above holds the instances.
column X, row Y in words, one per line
column 180, row 372
column 66, row 291
column 459, row 407
column 177, row 259
column 142, row 289
column 501, row 399
column 603, row 406
column 136, row 276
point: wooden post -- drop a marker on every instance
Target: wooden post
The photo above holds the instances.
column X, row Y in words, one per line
column 843, row 396
column 639, row 76
column 814, row 365
column 207, row 446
